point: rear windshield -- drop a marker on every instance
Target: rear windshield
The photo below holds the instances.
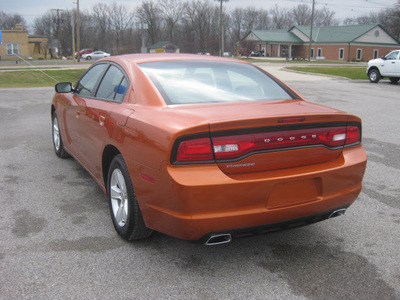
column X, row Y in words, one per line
column 186, row 82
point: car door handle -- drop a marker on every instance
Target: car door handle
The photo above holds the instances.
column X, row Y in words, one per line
column 101, row 120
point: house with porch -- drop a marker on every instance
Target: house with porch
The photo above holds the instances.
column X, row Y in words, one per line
column 340, row 43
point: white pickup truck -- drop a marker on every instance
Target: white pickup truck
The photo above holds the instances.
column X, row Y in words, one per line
column 386, row 66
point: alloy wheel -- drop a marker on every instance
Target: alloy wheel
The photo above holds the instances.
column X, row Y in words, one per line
column 119, row 197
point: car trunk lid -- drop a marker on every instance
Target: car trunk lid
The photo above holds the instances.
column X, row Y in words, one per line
column 277, row 135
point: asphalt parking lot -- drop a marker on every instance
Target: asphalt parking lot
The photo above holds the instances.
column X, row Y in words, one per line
column 58, row 242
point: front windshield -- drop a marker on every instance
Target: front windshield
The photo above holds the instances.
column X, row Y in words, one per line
column 186, row 82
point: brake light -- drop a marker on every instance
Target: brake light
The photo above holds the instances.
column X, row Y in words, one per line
column 352, row 135
column 195, row 150
column 237, row 146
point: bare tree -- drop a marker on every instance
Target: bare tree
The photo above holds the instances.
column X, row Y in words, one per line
column 44, row 25
column 193, row 26
column 243, row 20
column 263, row 21
column 390, row 18
column 8, row 21
column 120, row 19
column 236, row 24
column 101, row 17
column 199, row 16
column 371, row 18
column 280, row 17
column 350, row 21
column 301, row 14
column 172, row 13
column 88, row 31
column 149, row 14
column 325, row 17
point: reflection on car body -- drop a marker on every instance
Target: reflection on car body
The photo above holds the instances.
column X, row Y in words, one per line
column 206, row 148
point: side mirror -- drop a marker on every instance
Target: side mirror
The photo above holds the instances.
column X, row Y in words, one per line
column 383, row 57
column 64, row 87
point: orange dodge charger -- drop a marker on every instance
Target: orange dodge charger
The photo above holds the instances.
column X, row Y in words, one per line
column 206, row 148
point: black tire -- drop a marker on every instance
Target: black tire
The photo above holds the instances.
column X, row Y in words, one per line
column 88, row 57
column 124, row 207
column 394, row 79
column 374, row 76
column 57, row 140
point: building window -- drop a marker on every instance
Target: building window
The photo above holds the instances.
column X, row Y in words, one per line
column 12, row 48
column 359, row 54
column 319, row 52
column 312, row 52
column 376, row 53
column 341, row 53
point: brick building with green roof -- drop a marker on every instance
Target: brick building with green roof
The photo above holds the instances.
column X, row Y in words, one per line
column 342, row 43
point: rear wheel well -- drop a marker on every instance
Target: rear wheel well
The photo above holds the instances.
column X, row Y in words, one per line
column 53, row 109
column 108, row 154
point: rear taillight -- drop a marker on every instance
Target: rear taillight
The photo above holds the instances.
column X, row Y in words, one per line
column 353, row 135
column 195, row 150
column 234, row 147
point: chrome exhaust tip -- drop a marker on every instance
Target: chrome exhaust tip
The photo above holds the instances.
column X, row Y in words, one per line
column 337, row 213
column 219, row 239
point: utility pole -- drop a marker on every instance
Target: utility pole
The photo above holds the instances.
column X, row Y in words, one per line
column 142, row 29
column 311, row 29
column 57, row 21
column 221, row 28
column 78, row 32
column 73, row 37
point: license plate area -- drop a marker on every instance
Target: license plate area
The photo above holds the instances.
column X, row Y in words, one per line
column 294, row 192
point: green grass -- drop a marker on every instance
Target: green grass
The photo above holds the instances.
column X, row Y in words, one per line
column 345, row 71
column 284, row 61
column 34, row 78
column 28, row 68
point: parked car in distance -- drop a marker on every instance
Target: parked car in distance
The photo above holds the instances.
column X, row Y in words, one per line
column 83, row 51
column 95, row 55
column 256, row 53
column 206, row 148
column 386, row 66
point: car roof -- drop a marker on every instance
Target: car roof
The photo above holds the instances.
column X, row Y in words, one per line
column 153, row 57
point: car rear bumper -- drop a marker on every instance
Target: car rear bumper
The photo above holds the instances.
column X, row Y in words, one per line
column 200, row 200
column 267, row 228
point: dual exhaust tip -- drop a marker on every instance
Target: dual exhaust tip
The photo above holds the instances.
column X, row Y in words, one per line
column 219, row 239
column 223, row 238
column 337, row 213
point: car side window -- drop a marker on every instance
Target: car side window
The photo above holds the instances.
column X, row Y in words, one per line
column 393, row 55
column 87, row 84
column 113, row 85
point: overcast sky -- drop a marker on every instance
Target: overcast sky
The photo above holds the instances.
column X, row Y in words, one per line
column 30, row 9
